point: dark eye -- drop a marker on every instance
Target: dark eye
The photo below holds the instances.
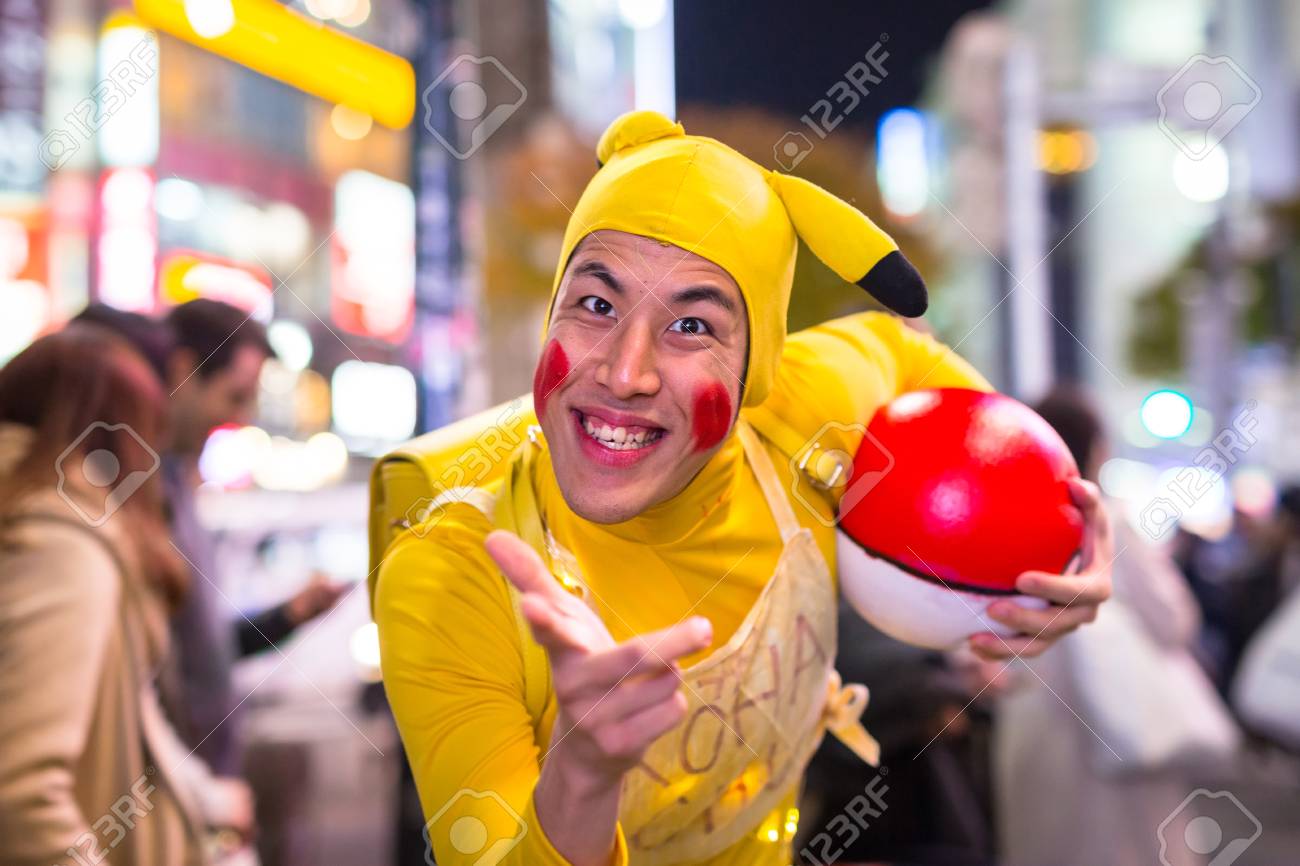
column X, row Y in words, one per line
column 597, row 305
column 691, row 325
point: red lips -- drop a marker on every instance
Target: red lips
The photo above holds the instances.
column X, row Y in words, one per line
column 618, row 459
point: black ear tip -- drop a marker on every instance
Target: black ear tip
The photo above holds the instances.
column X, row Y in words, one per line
column 896, row 284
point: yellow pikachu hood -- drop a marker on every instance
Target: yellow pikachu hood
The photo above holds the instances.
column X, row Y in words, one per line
column 701, row 195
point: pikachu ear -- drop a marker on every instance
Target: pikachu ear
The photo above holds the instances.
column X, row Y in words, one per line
column 852, row 245
column 633, row 128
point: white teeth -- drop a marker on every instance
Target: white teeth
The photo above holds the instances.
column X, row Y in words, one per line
column 618, row 438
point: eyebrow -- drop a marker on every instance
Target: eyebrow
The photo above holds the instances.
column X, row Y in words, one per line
column 705, row 293
column 597, row 269
column 710, row 294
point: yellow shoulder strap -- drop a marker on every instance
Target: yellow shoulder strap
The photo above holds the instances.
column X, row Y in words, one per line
column 516, row 511
column 768, row 481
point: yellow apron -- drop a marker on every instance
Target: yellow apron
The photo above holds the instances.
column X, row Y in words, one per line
column 758, row 706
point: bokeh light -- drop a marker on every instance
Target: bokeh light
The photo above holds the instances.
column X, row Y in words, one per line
column 1166, row 414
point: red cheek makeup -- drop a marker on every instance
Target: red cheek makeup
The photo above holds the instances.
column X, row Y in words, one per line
column 711, row 417
column 551, row 370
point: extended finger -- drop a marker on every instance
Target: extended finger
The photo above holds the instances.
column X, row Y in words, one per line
column 550, row 627
column 629, row 698
column 521, row 565
column 1051, row 622
column 1086, row 588
column 638, row 731
column 991, row 647
column 652, row 652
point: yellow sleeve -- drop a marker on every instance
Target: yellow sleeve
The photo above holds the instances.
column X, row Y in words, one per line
column 923, row 362
column 454, row 673
column 834, row 376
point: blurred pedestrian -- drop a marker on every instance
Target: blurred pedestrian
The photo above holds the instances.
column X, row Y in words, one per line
column 1266, row 687
column 1101, row 739
column 1264, row 573
column 1288, row 521
column 90, row 770
column 209, row 355
column 1236, row 580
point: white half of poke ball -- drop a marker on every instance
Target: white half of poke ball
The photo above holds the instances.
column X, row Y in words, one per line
column 916, row 610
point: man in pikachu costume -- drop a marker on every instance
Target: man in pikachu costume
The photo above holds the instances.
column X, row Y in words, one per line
column 620, row 650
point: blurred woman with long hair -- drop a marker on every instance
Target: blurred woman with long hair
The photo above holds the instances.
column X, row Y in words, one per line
column 90, row 771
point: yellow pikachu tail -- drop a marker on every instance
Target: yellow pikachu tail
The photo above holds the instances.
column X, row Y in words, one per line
column 852, row 245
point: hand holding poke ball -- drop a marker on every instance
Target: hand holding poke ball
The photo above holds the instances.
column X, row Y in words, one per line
column 976, row 494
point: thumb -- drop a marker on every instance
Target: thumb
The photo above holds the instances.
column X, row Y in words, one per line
column 521, row 565
column 1087, row 498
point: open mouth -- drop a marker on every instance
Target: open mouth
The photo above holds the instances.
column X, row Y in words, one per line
column 611, row 435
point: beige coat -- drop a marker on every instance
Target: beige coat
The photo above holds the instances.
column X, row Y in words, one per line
column 80, row 732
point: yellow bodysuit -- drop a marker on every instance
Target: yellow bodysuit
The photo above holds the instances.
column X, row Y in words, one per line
column 453, row 661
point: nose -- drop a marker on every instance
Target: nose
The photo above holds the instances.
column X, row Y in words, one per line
column 629, row 366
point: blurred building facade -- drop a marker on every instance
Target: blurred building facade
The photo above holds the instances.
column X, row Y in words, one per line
column 1094, row 236
column 154, row 171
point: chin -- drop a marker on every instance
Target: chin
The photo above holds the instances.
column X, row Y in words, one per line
column 594, row 497
column 603, row 513
column 598, row 495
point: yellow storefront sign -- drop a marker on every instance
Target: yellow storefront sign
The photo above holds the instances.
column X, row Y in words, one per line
column 282, row 44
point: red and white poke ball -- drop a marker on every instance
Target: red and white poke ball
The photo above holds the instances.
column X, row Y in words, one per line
column 974, row 492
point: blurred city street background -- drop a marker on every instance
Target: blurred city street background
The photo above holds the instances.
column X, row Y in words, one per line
column 1104, row 194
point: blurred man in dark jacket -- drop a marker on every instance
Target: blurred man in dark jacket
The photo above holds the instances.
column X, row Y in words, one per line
column 933, row 793
column 209, row 355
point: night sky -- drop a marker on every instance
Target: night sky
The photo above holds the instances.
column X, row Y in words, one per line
column 783, row 56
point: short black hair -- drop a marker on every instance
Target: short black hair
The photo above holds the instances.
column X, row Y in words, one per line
column 151, row 338
column 1074, row 416
column 214, row 331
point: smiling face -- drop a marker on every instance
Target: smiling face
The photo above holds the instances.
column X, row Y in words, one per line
column 640, row 377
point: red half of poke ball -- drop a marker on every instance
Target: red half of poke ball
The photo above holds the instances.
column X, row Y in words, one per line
column 954, row 493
